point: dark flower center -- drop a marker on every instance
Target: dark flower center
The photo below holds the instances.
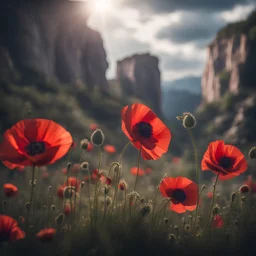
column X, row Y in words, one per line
column 35, row 148
column 226, row 162
column 144, row 129
column 179, row 195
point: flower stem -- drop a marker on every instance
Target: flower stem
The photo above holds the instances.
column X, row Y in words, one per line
column 212, row 203
column 138, row 167
column 197, row 172
column 31, row 194
column 122, row 152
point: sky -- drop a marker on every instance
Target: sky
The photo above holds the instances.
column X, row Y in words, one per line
column 176, row 31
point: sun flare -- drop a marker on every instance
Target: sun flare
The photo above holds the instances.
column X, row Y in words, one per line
column 101, row 6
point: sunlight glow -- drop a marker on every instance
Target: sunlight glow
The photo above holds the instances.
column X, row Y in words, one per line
column 101, row 6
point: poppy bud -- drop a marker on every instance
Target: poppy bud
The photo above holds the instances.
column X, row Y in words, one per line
column 187, row 228
column 199, row 236
column 84, row 144
column 189, row 121
column 53, row 207
column 198, row 218
column 166, row 220
column 69, row 165
column 122, row 185
column 59, row 219
column 252, row 153
column 244, row 189
column 145, row 210
column 243, row 199
column 108, row 201
column 49, row 188
column 84, row 166
column 97, row 137
column 68, row 192
column 215, row 210
column 82, row 184
column 233, row 196
column 108, row 181
column 142, row 200
column 172, row 238
column 27, row 205
column 203, row 187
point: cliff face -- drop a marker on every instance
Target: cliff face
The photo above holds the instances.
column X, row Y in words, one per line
column 51, row 38
column 139, row 76
column 231, row 61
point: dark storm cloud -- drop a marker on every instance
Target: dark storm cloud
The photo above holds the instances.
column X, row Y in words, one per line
column 178, row 62
column 195, row 26
column 165, row 6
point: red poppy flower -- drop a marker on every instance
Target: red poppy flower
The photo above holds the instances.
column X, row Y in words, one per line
column 9, row 230
column 73, row 182
column 210, row 195
column 148, row 170
column 13, row 166
column 34, row 142
column 227, row 160
column 141, row 125
column 109, row 149
column 67, row 209
column 46, row 235
column 89, row 147
column 10, row 190
column 75, row 168
column 182, row 191
column 45, row 175
column 93, row 126
column 122, row 185
column 61, row 191
column 134, row 170
column 217, row 221
column 176, row 160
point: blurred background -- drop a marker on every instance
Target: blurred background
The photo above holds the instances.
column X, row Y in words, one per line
column 80, row 62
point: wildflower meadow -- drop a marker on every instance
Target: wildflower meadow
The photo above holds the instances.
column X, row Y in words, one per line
column 80, row 210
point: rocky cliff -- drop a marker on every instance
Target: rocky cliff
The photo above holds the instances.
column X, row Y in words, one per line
column 231, row 61
column 139, row 76
column 52, row 39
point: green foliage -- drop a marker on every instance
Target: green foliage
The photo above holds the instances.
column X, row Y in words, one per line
column 252, row 33
column 227, row 101
column 224, row 76
column 238, row 28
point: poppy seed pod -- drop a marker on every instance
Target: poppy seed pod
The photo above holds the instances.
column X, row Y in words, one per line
column 27, row 205
column 84, row 144
column 252, row 153
column 189, row 121
column 187, row 228
column 82, row 184
column 97, row 137
column 166, row 220
column 53, row 207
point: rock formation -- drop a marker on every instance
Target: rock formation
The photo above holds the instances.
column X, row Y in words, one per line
column 231, row 61
column 52, row 38
column 139, row 76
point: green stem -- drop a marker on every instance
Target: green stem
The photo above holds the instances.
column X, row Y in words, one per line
column 138, row 166
column 96, row 186
column 122, row 152
column 154, row 202
column 31, row 193
column 197, row 173
column 89, row 194
column 212, row 203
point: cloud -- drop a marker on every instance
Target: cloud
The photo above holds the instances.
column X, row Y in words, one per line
column 167, row 6
column 192, row 27
column 178, row 62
